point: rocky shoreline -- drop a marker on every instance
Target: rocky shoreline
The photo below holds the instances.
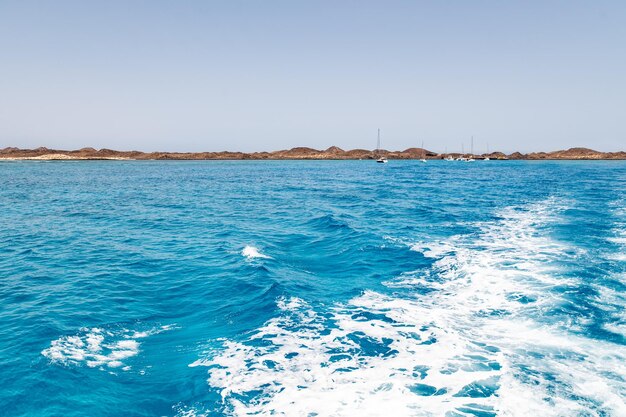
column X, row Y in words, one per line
column 300, row 153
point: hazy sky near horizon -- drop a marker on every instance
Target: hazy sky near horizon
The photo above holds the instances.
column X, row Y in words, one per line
column 267, row 75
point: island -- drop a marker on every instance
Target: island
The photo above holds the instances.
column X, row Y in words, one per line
column 299, row 153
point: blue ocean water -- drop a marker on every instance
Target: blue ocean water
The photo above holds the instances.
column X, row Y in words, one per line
column 314, row 288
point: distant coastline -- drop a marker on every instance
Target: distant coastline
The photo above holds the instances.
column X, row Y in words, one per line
column 299, row 153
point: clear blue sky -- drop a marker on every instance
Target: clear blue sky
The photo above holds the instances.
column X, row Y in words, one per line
column 266, row 75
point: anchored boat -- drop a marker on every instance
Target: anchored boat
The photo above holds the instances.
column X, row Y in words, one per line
column 381, row 159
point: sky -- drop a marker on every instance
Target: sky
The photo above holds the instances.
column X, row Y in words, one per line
column 267, row 75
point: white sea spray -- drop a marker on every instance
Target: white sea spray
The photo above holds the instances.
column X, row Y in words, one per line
column 99, row 348
column 251, row 252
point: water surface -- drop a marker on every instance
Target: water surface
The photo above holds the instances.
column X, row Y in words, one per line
column 314, row 288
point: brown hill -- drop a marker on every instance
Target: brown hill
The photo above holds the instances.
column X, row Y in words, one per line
column 332, row 152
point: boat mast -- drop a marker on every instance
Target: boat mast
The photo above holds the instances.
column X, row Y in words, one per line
column 378, row 143
column 472, row 147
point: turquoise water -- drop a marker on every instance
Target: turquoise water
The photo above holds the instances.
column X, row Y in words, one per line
column 318, row 288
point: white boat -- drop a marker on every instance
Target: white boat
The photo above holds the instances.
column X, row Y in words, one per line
column 462, row 156
column 381, row 159
column 449, row 158
column 423, row 153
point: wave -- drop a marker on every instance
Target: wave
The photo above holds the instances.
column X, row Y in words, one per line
column 251, row 252
column 479, row 344
column 328, row 222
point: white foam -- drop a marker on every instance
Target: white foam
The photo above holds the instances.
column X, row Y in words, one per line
column 481, row 327
column 251, row 252
column 434, row 249
column 185, row 411
column 96, row 347
column 619, row 239
column 617, row 328
column 619, row 226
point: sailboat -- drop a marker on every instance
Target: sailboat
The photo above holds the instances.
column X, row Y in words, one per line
column 462, row 157
column 471, row 157
column 486, row 158
column 423, row 153
column 381, row 159
column 449, row 157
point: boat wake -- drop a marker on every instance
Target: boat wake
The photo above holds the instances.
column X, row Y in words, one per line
column 486, row 339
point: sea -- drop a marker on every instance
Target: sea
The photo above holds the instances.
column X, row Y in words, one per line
column 313, row 288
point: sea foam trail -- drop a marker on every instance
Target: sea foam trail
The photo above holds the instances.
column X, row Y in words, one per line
column 613, row 299
column 474, row 346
